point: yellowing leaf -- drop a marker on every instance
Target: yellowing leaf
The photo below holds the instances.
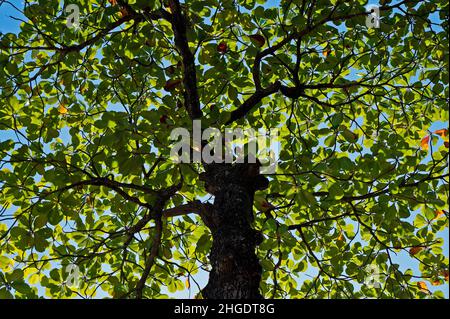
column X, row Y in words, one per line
column 423, row 286
column 326, row 52
column 5, row 263
column 90, row 201
column 438, row 214
column 34, row 279
column 62, row 109
column 425, row 142
column 188, row 283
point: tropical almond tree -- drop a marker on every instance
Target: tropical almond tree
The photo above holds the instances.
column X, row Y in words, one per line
column 93, row 203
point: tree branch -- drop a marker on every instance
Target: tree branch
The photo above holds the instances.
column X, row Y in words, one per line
column 151, row 258
column 195, row 207
column 298, row 90
column 178, row 21
column 252, row 101
column 315, row 221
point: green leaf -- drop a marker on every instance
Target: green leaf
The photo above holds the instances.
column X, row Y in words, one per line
column 5, row 294
column 335, row 191
column 336, row 120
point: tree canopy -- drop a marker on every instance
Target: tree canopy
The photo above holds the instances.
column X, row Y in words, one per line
column 87, row 107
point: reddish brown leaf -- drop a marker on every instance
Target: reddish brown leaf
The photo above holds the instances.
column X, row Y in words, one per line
column 172, row 84
column 445, row 274
column 436, row 282
column 163, row 119
column 414, row 250
column 170, row 70
column 258, row 39
column 222, row 47
column 123, row 12
column 267, row 205
column 442, row 132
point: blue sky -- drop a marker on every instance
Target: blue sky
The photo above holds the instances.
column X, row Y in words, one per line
column 9, row 25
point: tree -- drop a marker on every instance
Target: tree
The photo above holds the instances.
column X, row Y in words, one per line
column 86, row 178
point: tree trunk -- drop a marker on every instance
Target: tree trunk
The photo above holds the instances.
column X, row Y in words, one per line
column 236, row 272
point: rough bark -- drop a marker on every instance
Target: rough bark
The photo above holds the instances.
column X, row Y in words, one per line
column 236, row 272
